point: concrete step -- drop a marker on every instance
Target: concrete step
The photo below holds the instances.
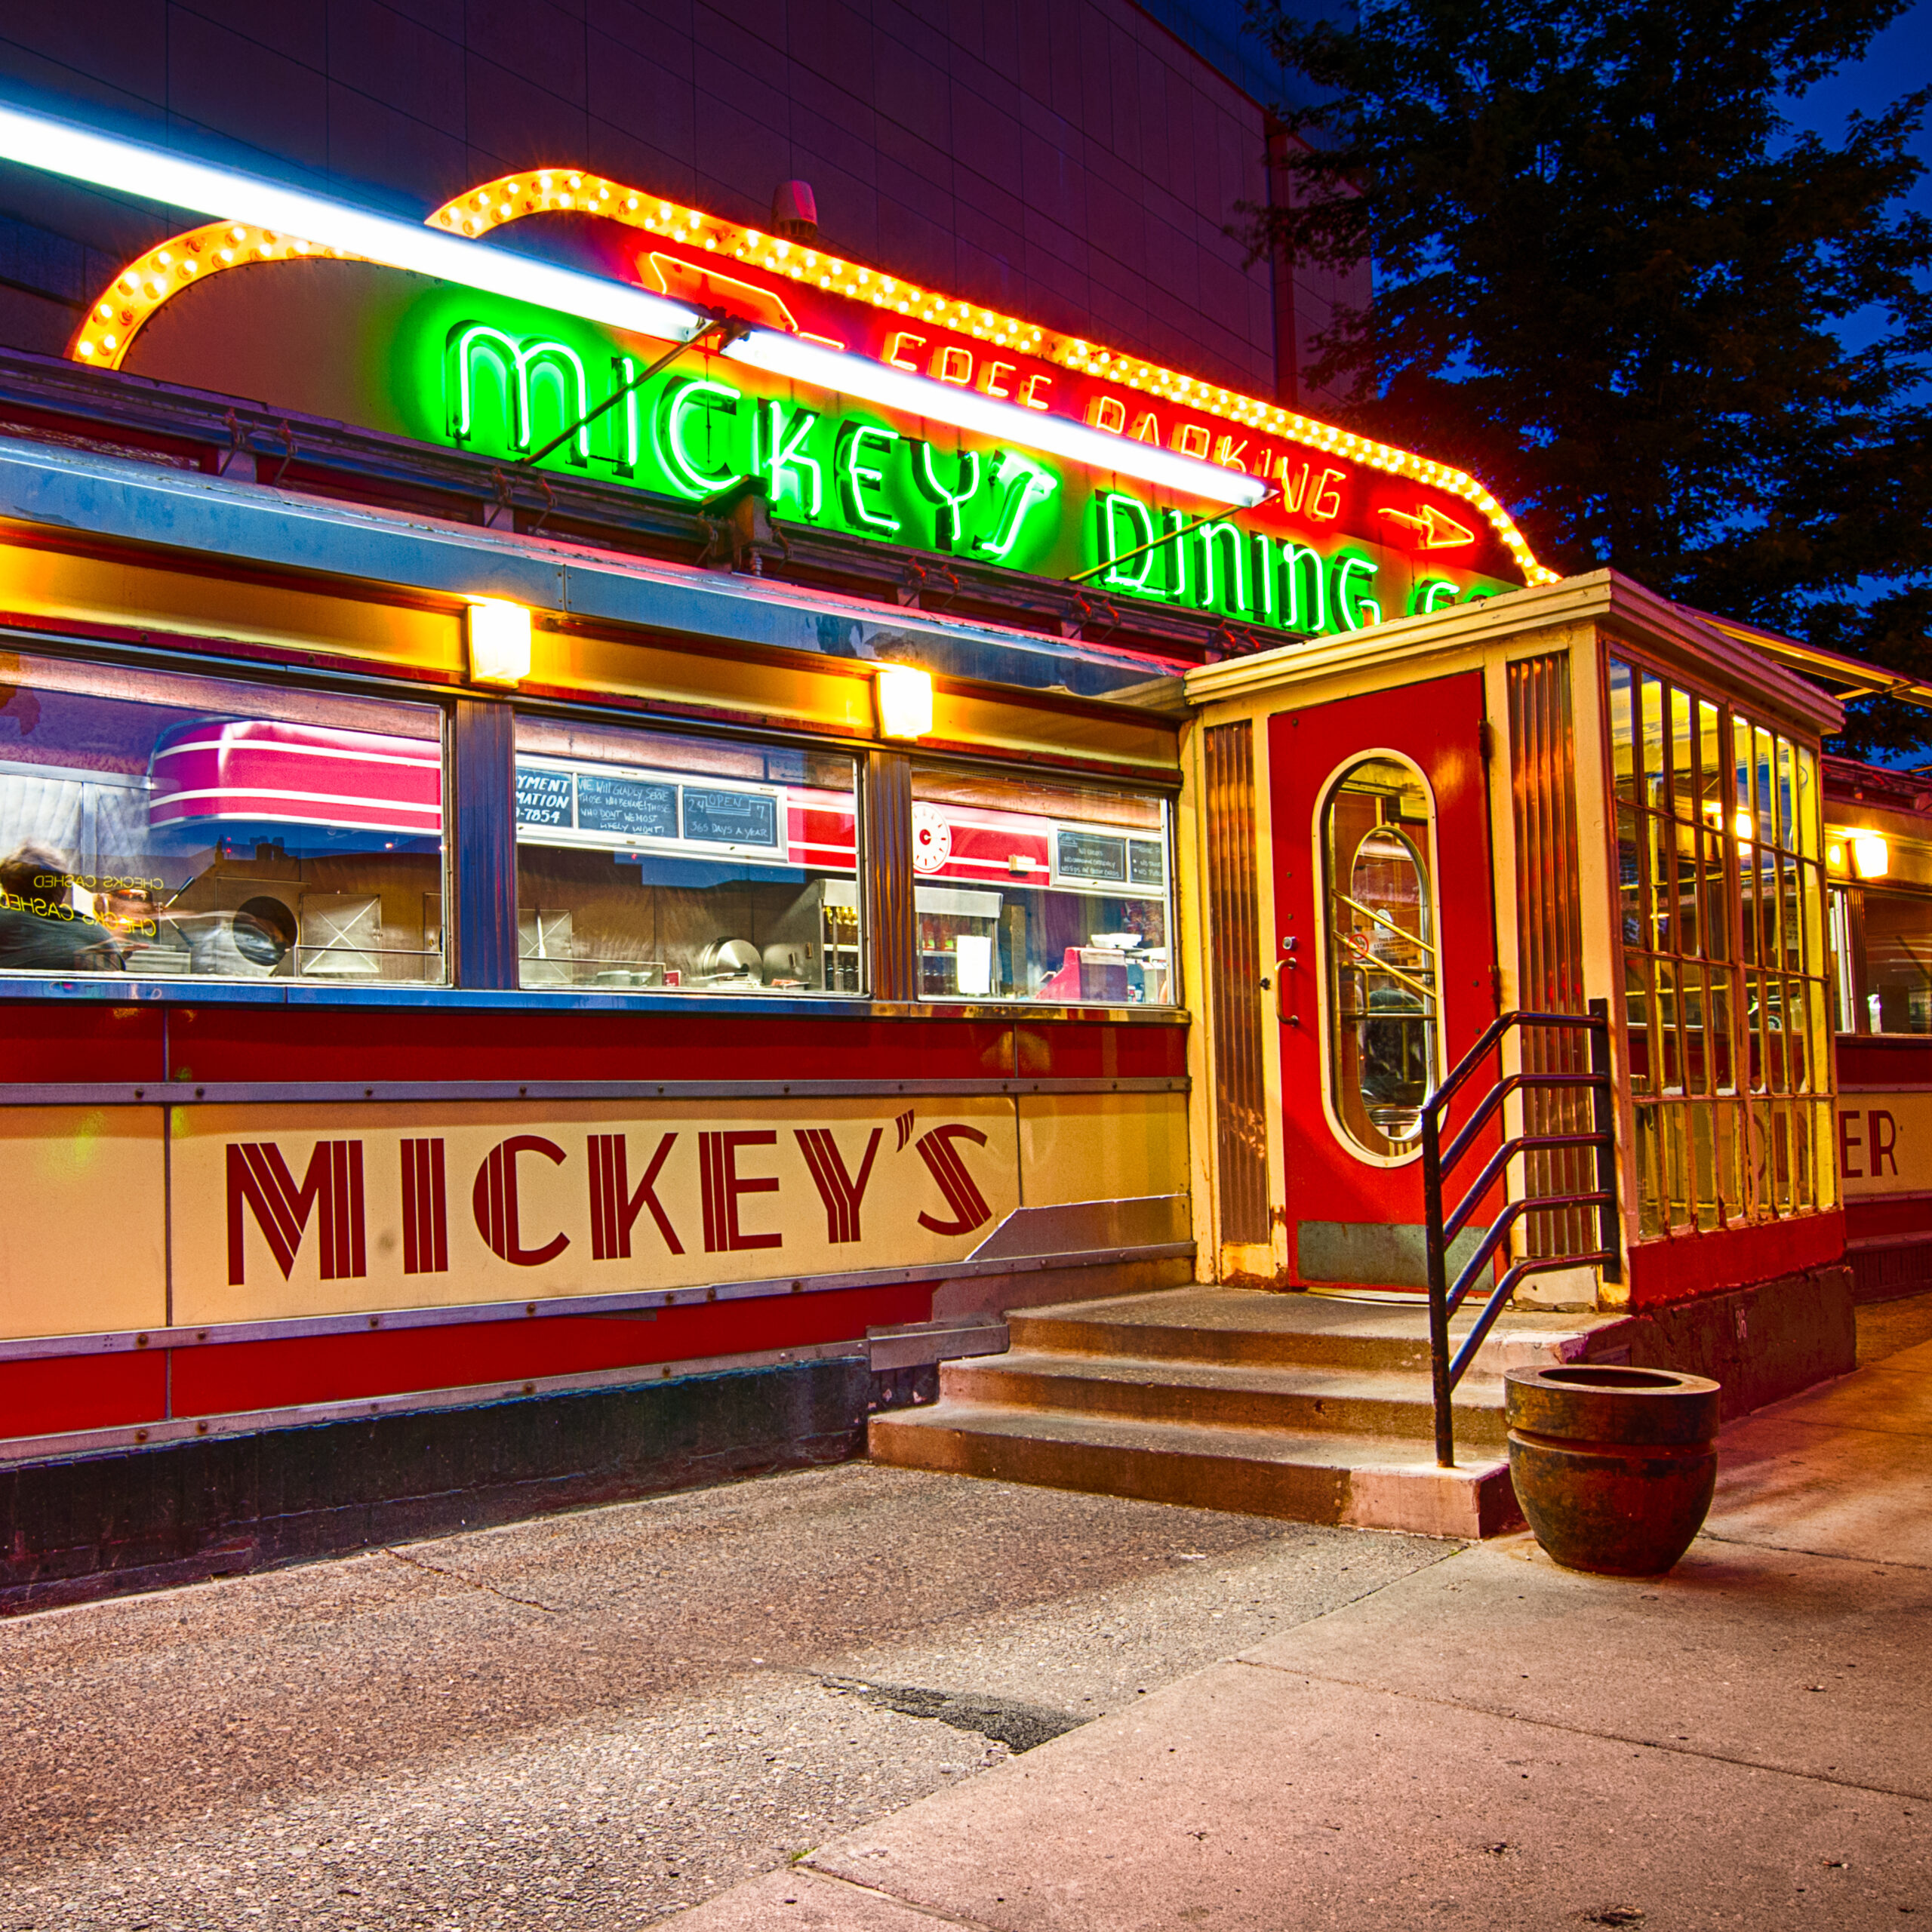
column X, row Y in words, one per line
column 1368, row 1481
column 1254, row 1326
column 1244, row 1395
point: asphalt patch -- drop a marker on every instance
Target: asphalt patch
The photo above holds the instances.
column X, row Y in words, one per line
column 1019, row 1727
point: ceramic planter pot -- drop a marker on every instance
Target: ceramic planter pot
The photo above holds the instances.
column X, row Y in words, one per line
column 1613, row 1467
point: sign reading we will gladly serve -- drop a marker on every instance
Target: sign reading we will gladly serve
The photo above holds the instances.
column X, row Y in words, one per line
column 859, row 402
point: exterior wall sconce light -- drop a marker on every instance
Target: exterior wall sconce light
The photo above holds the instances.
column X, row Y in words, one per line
column 904, row 696
column 1870, row 856
column 499, row 635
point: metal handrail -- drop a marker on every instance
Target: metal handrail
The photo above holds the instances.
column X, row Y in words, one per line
column 1445, row 1298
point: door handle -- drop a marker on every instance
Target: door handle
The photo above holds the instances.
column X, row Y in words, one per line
column 1287, row 989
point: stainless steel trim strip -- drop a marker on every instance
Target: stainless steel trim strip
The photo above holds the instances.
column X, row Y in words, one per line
column 247, row 524
column 322, row 1093
column 116, row 990
column 1880, row 1244
column 129, row 1341
column 252, row 1422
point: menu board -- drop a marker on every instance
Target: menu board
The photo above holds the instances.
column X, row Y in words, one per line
column 730, row 818
column 1090, row 855
column 543, row 798
column 635, row 807
column 1145, row 865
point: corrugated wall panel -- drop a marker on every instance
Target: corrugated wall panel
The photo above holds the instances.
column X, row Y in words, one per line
column 1235, row 964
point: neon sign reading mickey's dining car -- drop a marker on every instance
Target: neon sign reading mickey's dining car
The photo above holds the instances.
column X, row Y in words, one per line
column 697, row 435
column 859, row 402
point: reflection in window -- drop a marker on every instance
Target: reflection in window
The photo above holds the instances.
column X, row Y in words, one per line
column 646, row 861
column 1381, row 992
column 170, row 826
column 1025, row 889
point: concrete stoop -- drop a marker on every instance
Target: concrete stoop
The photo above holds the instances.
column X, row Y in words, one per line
column 1307, row 1406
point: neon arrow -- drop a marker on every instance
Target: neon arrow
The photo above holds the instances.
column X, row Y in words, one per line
column 1434, row 531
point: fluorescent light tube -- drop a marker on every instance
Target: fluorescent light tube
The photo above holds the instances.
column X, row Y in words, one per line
column 914, row 395
column 156, row 174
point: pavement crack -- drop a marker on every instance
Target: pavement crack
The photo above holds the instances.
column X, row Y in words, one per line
column 1920, row 1795
column 1801, row 1549
column 905, row 1904
column 474, row 1583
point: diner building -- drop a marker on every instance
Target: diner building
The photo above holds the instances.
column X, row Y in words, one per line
column 564, row 759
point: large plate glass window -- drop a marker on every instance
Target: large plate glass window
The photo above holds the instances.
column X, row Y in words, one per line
column 653, row 862
column 172, row 826
column 1030, row 889
column 1383, row 991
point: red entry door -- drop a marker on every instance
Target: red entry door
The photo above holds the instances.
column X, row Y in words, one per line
column 1387, row 935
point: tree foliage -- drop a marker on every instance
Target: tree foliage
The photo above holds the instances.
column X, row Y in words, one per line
column 1612, row 281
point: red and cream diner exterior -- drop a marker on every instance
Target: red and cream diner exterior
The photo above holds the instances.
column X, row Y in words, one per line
column 651, row 837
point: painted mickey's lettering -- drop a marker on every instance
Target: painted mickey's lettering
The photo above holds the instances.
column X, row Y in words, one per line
column 521, row 1221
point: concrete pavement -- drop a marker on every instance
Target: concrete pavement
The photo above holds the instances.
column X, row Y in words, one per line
column 1492, row 1741
column 589, row 1721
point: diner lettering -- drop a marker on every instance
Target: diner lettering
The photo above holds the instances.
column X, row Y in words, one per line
column 743, row 1205
column 696, row 435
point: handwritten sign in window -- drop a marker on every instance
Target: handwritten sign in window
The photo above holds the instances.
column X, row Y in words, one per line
column 634, row 808
column 730, row 818
column 1098, row 856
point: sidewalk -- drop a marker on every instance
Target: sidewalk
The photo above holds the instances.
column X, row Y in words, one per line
column 1492, row 1741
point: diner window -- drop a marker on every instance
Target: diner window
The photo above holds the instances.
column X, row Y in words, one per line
column 1880, row 951
column 653, row 862
column 1722, row 914
column 1029, row 889
column 1379, row 938
column 1898, row 988
column 173, row 826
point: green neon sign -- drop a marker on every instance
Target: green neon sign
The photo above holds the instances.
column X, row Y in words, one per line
column 503, row 379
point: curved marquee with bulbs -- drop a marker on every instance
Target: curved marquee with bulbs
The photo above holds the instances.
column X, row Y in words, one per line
column 863, row 402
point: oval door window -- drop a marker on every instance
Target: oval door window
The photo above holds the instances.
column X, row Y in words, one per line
column 1382, row 1004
